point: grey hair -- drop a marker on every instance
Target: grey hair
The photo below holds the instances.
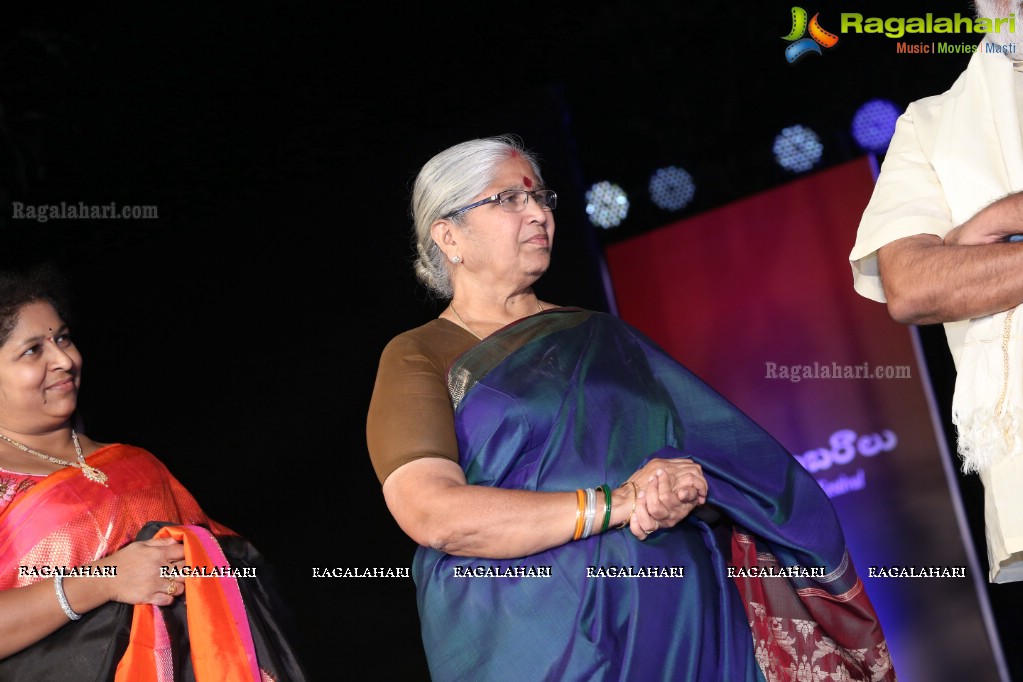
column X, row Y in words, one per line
column 448, row 181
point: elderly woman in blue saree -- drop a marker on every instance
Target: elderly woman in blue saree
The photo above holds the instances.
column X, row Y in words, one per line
column 586, row 507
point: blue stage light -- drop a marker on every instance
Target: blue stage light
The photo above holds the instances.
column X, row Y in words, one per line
column 671, row 188
column 607, row 204
column 874, row 124
column 797, row 148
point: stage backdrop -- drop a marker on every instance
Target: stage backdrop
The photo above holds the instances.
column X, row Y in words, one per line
column 757, row 299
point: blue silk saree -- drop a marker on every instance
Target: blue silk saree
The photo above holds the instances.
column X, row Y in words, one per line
column 570, row 399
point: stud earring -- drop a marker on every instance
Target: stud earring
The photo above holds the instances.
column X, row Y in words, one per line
column 456, row 259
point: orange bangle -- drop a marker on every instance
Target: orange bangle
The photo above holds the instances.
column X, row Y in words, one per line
column 580, row 495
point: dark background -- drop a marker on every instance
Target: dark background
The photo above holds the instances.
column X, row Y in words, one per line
column 236, row 336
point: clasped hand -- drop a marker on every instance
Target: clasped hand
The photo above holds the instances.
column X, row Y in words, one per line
column 667, row 490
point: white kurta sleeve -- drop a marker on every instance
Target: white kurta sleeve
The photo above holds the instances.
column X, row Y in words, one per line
column 908, row 200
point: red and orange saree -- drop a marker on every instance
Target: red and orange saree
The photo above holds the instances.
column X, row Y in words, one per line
column 227, row 630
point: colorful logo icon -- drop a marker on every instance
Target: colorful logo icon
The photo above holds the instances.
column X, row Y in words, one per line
column 801, row 46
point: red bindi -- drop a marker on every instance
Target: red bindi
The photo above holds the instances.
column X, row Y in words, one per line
column 527, row 182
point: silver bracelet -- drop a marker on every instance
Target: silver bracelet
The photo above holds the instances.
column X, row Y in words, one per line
column 58, row 586
column 591, row 511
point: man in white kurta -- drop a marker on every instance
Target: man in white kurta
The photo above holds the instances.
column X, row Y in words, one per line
column 935, row 244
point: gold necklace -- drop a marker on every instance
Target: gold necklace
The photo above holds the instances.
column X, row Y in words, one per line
column 469, row 329
column 91, row 473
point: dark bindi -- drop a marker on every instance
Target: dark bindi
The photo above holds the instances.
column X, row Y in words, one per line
column 527, row 182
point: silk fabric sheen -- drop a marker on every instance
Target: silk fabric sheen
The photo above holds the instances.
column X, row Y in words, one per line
column 67, row 520
column 568, row 399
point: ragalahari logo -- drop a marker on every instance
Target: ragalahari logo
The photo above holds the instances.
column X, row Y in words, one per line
column 802, row 46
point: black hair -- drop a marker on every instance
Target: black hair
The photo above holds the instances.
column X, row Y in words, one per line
column 19, row 288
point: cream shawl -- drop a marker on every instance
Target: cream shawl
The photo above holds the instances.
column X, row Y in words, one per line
column 982, row 126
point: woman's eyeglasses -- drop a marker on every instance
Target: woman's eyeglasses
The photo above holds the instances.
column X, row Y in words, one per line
column 515, row 200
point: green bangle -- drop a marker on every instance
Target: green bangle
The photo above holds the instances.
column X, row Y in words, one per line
column 607, row 506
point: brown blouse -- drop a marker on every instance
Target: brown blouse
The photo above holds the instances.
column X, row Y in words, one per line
column 410, row 414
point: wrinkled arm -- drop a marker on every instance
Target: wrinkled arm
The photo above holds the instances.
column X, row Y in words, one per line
column 973, row 272
column 433, row 504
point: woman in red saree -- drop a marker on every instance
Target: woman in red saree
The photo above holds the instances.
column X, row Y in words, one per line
column 82, row 596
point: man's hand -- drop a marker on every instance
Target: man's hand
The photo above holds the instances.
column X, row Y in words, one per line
column 994, row 223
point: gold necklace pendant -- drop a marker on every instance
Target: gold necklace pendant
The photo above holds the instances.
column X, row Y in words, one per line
column 94, row 474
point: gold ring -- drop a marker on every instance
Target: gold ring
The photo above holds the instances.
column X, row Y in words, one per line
column 172, row 588
column 648, row 532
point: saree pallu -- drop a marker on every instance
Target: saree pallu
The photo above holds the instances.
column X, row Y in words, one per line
column 568, row 399
column 67, row 520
